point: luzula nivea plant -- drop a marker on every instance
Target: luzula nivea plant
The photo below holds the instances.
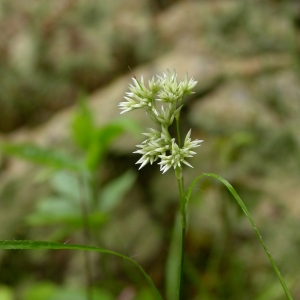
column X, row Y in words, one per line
column 160, row 145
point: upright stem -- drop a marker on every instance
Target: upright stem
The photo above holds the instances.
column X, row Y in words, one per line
column 86, row 240
column 180, row 294
column 180, row 181
column 183, row 228
column 178, row 133
column 93, row 184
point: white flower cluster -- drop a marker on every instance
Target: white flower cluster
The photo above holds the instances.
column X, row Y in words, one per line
column 159, row 144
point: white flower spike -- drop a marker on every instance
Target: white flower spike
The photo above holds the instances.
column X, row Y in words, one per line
column 159, row 144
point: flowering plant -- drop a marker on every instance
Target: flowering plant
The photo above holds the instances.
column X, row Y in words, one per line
column 160, row 144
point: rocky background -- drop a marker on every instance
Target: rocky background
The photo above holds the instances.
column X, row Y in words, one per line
column 246, row 108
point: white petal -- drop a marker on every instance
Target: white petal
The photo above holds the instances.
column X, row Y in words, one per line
column 185, row 162
column 144, row 163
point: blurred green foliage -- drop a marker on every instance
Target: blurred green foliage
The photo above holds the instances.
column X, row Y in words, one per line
column 50, row 291
column 68, row 173
column 78, row 200
column 51, row 51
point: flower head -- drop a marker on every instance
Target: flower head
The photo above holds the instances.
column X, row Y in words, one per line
column 140, row 96
column 159, row 144
column 187, row 85
column 178, row 155
column 156, row 144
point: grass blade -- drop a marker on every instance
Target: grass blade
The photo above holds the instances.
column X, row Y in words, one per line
column 45, row 157
column 35, row 245
column 245, row 210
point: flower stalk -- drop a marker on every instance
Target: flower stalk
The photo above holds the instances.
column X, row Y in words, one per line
column 160, row 145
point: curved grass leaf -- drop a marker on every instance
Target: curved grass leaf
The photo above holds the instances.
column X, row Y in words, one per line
column 245, row 210
column 42, row 218
column 35, row 245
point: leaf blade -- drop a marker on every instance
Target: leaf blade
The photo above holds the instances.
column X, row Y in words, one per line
column 38, row 245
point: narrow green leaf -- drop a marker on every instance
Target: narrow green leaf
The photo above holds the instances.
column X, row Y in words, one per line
column 172, row 269
column 35, row 245
column 38, row 155
column 245, row 210
column 95, row 219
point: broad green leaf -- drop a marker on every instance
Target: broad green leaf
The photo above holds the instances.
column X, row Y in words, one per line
column 71, row 294
column 113, row 192
column 52, row 211
column 130, row 126
column 46, row 157
column 145, row 294
column 94, row 155
column 57, row 205
column 108, row 133
column 103, row 137
column 98, row 147
column 55, row 210
column 40, row 290
column 83, row 128
column 50, row 291
column 6, row 293
column 66, row 184
column 35, row 245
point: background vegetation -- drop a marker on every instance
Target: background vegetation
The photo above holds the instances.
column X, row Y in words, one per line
column 54, row 54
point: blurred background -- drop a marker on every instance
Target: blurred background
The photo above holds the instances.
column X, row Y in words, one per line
column 245, row 56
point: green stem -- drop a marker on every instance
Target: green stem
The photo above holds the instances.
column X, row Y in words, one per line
column 180, row 182
column 180, row 294
column 86, row 238
column 178, row 133
column 182, row 199
column 93, row 185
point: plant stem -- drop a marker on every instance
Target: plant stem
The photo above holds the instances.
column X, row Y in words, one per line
column 89, row 283
column 182, row 201
column 86, row 239
column 183, row 228
column 94, row 189
column 178, row 133
column 180, row 294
